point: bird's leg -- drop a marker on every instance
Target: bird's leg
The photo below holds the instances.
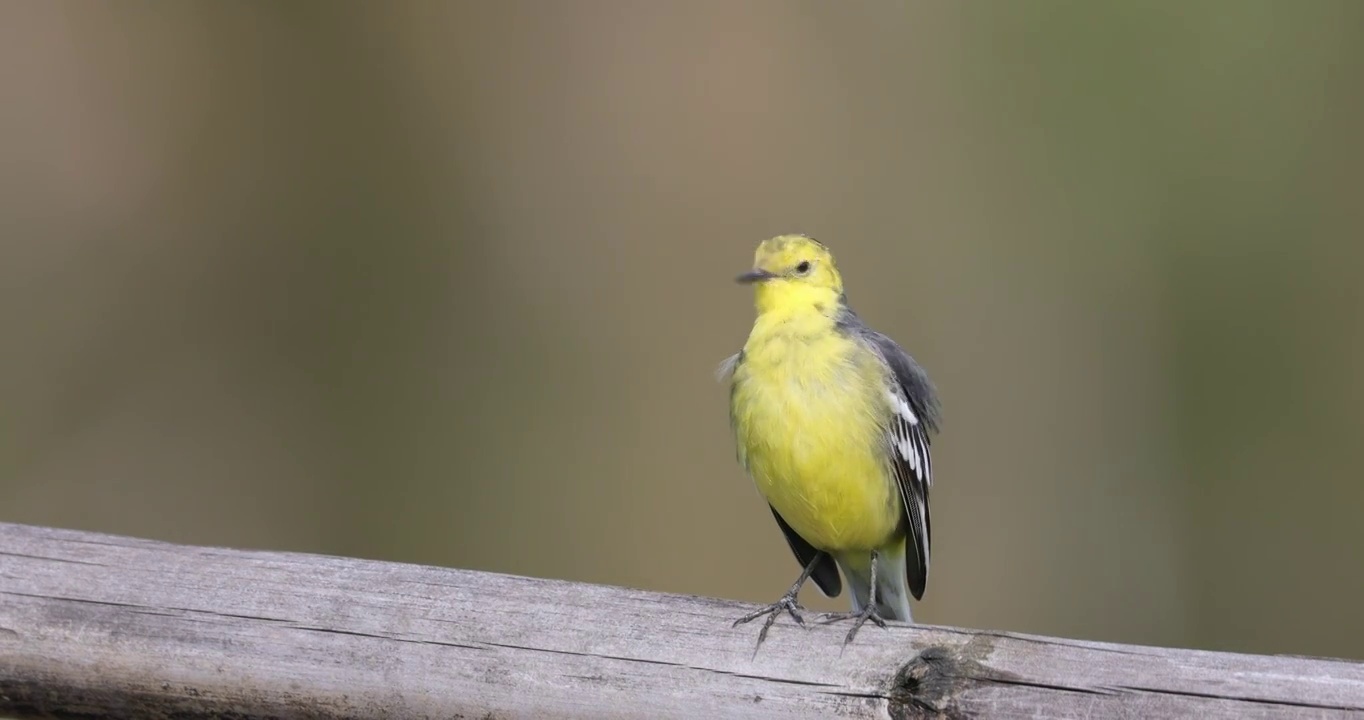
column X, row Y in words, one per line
column 787, row 603
column 860, row 617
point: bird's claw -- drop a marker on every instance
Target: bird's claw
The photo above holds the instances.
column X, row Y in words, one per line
column 786, row 604
column 858, row 619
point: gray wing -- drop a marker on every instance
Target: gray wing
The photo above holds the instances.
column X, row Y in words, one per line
column 916, row 413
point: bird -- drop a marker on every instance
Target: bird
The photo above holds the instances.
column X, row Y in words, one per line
column 832, row 421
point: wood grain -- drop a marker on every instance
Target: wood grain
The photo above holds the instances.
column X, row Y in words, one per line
column 114, row 627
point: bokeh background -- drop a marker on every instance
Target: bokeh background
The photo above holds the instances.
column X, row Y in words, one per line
column 447, row 283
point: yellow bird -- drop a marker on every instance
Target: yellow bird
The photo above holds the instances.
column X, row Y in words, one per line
column 832, row 422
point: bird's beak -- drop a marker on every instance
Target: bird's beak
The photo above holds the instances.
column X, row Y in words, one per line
column 755, row 275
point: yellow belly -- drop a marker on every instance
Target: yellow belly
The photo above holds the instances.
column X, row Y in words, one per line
column 808, row 433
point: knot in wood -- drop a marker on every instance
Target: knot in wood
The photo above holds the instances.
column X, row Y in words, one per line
column 926, row 685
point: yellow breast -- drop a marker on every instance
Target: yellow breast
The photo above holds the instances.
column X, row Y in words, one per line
column 807, row 405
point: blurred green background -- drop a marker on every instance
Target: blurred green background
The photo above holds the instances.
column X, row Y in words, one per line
column 447, row 283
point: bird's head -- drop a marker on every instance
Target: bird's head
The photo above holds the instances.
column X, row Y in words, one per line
column 794, row 272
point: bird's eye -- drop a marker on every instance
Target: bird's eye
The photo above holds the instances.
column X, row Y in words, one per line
column 803, row 267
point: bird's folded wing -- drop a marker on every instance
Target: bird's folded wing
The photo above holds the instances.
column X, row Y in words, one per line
column 914, row 409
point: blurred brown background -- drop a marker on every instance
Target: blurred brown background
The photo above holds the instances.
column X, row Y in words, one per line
column 447, row 283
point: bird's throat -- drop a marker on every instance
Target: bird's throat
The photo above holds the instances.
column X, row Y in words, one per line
column 789, row 299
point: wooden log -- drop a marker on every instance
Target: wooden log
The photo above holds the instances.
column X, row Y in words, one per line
column 99, row 626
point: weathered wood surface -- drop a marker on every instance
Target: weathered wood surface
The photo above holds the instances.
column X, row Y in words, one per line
column 113, row 627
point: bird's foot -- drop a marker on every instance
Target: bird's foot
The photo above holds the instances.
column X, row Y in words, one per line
column 787, row 604
column 858, row 620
